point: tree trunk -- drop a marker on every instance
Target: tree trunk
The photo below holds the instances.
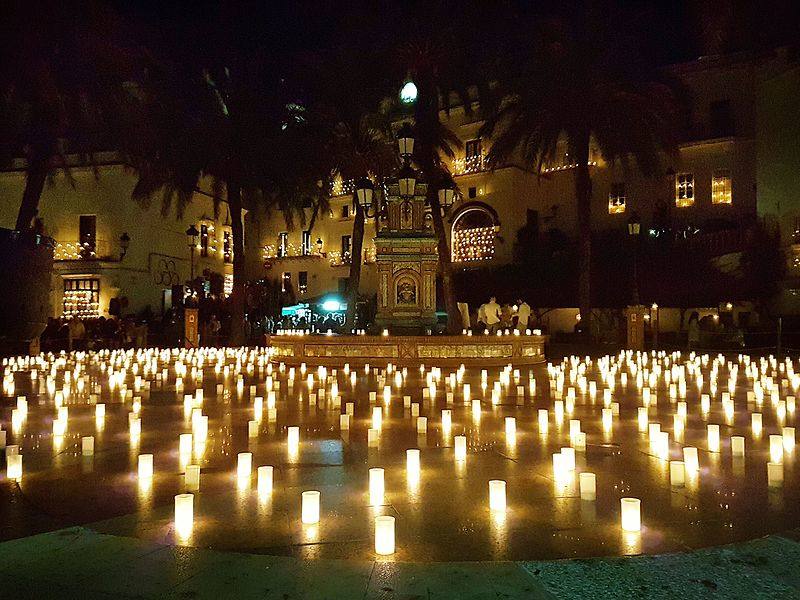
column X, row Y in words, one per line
column 454, row 321
column 354, row 280
column 34, row 184
column 237, row 300
column 583, row 198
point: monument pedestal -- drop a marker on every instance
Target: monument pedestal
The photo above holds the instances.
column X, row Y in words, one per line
column 407, row 261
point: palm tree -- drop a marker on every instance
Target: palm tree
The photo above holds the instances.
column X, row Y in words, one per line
column 353, row 135
column 62, row 89
column 215, row 115
column 583, row 83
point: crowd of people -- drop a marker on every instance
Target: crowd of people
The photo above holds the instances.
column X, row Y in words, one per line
column 75, row 333
column 493, row 317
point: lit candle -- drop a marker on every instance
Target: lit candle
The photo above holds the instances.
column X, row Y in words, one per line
column 588, row 486
column 677, row 473
column 145, row 466
column 776, row 448
column 497, row 495
column 244, row 465
column 293, row 437
column 774, row 474
column 422, row 424
column 376, row 486
column 14, row 466
column 309, row 512
column 461, row 447
column 412, row 463
column 265, row 478
column 184, row 514
column 737, row 445
column 631, row 514
column 384, row 535
column 690, row 459
column 713, row 438
column 192, row 477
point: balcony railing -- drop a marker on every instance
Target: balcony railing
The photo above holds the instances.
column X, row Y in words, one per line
column 469, row 165
column 76, row 250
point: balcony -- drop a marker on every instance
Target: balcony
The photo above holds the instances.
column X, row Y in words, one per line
column 100, row 250
column 469, row 165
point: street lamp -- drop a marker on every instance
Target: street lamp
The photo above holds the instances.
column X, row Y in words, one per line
column 634, row 229
column 124, row 242
column 405, row 141
column 407, row 179
column 192, row 233
column 365, row 196
column 447, row 195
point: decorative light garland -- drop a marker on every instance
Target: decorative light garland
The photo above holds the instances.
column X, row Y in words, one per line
column 474, row 244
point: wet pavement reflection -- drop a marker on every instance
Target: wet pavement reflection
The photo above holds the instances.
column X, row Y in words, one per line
column 601, row 416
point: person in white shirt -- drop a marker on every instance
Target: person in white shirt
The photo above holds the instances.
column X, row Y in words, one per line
column 523, row 314
column 492, row 315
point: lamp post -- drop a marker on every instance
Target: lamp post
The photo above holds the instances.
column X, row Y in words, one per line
column 634, row 229
column 365, row 197
column 192, row 232
column 124, row 243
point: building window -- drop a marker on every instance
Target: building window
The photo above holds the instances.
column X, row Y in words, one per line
column 346, row 249
column 616, row 199
column 721, row 119
column 302, row 281
column 283, row 244
column 286, row 282
column 345, row 211
column 684, row 189
column 721, row 187
column 227, row 246
column 227, row 285
column 473, row 236
column 305, row 243
column 87, row 236
column 473, row 156
column 82, row 297
column 203, row 240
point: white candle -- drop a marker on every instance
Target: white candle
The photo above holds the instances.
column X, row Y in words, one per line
column 588, row 486
column 776, row 448
column 192, row 478
column 244, row 465
column 145, row 466
column 497, row 495
column 737, row 445
column 87, row 446
column 384, row 535
column 631, row 514
column 184, row 514
column 412, row 463
column 14, row 466
column 265, row 479
column 713, row 438
column 677, row 473
column 376, row 486
column 422, row 424
column 690, row 459
column 774, row 474
column 310, row 507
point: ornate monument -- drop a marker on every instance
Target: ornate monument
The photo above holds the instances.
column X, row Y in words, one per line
column 406, row 256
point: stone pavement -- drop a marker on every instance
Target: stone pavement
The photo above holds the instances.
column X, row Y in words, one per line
column 78, row 562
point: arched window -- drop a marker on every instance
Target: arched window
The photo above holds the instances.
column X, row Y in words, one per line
column 473, row 235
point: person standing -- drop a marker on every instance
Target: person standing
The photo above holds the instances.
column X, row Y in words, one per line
column 523, row 314
column 492, row 310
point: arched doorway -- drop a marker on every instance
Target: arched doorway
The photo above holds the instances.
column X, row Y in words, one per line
column 472, row 237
